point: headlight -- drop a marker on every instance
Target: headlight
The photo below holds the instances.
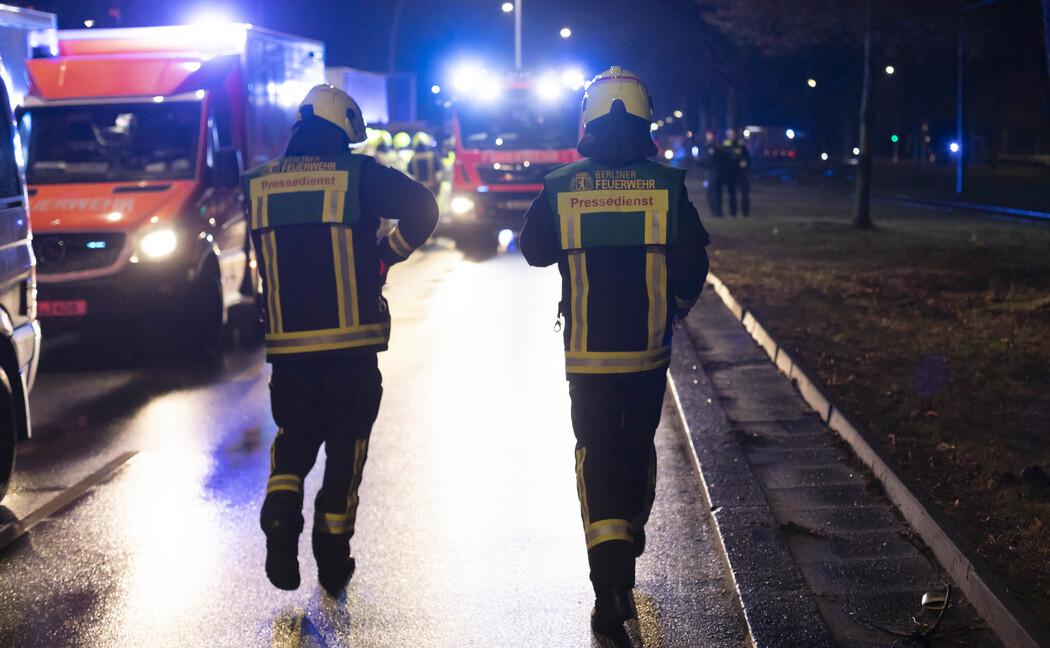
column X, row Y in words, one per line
column 461, row 205
column 158, row 243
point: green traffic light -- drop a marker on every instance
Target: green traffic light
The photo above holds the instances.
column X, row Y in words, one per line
column 893, row 138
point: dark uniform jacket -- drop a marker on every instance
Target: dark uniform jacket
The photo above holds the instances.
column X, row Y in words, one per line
column 630, row 248
column 314, row 225
column 715, row 158
column 738, row 157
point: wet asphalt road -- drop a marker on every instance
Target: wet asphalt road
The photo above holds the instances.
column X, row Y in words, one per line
column 468, row 532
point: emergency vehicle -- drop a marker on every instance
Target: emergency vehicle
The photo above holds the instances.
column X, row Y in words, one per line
column 21, row 31
column 508, row 133
column 135, row 142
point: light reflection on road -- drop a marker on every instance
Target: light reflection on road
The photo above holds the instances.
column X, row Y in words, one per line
column 468, row 533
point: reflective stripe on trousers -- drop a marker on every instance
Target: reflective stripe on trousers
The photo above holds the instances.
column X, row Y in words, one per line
column 601, row 531
column 343, row 523
column 328, row 339
column 284, row 483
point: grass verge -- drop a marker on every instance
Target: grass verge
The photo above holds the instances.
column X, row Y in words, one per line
column 933, row 332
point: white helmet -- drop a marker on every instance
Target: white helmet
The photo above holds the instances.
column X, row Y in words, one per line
column 335, row 106
column 616, row 84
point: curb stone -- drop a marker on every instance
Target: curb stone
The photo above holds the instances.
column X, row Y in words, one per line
column 778, row 608
column 1014, row 625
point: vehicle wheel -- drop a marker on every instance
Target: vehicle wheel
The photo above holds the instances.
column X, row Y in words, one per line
column 206, row 311
column 478, row 243
column 8, row 432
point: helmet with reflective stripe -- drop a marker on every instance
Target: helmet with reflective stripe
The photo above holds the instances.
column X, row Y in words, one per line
column 616, row 84
column 335, row 106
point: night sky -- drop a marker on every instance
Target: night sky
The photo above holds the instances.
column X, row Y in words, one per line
column 430, row 35
column 667, row 43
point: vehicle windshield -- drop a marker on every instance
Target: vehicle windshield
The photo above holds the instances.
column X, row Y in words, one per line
column 520, row 120
column 110, row 142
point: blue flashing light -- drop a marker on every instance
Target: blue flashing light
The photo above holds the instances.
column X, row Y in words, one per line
column 96, row 245
column 954, row 147
column 790, row 133
column 483, row 189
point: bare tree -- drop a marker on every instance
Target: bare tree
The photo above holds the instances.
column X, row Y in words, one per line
column 773, row 29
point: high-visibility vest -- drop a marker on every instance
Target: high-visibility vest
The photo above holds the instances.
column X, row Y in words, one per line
column 615, row 224
column 304, row 216
column 421, row 168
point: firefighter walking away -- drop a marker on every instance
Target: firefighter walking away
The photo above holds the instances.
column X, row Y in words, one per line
column 315, row 215
column 630, row 249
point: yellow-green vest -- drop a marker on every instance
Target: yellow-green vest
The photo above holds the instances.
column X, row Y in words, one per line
column 609, row 219
column 304, row 210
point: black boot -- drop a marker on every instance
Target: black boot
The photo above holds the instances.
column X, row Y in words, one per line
column 282, row 522
column 613, row 605
column 335, row 565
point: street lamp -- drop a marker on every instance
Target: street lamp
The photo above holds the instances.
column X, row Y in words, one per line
column 565, row 32
column 517, row 35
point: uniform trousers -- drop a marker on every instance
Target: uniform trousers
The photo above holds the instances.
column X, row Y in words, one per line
column 715, row 185
column 615, row 418
column 334, row 402
column 739, row 181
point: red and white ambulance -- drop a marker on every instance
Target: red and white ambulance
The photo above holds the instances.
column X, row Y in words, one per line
column 135, row 139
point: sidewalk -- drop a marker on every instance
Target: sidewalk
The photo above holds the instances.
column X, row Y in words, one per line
column 818, row 555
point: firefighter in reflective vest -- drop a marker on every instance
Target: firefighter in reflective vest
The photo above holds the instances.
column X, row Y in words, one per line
column 315, row 214
column 630, row 249
column 423, row 162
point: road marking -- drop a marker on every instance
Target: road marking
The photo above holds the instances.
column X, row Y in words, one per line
column 16, row 529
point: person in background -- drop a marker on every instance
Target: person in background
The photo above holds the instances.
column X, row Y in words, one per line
column 630, row 249
column 738, row 173
column 315, row 214
column 715, row 165
column 422, row 165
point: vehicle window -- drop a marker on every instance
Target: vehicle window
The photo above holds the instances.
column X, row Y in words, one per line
column 220, row 131
column 519, row 120
column 111, row 142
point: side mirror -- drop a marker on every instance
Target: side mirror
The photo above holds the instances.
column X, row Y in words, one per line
column 227, row 172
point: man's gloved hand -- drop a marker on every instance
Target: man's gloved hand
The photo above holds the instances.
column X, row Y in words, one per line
column 679, row 317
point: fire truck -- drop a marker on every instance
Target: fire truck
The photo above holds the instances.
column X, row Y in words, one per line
column 135, row 139
column 508, row 133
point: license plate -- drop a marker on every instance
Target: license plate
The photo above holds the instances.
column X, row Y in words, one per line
column 61, row 308
column 523, row 205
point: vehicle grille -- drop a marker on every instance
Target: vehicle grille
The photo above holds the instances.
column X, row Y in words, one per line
column 61, row 253
column 514, row 173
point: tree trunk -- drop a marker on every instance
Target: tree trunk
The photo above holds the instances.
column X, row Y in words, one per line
column 736, row 70
column 391, row 45
column 1046, row 31
column 862, row 201
column 733, row 104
